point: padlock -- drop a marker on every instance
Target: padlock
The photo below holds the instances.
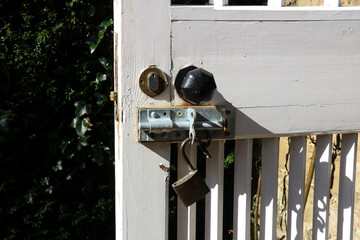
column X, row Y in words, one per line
column 192, row 187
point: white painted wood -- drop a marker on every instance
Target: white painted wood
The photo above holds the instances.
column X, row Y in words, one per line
column 269, row 184
column 219, row 3
column 332, row 3
column 263, row 13
column 295, row 214
column 186, row 216
column 322, row 187
column 214, row 199
column 142, row 30
column 278, row 74
column 276, row 3
column 242, row 188
column 347, row 186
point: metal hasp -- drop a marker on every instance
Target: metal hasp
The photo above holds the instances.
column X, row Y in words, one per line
column 173, row 124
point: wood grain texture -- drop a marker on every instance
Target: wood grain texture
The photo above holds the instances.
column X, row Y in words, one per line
column 142, row 29
column 284, row 77
column 242, row 188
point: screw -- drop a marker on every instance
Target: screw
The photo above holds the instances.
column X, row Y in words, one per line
column 179, row 113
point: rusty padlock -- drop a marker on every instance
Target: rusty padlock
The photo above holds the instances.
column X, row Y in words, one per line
column 192, row 187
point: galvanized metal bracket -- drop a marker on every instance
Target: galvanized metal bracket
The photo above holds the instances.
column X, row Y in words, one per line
column 174, row 124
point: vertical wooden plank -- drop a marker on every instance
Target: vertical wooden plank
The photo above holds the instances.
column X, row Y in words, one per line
column 347, row 186
column 142, row 37
column 296, row 188
column 186, row 216
column 214, row 199
column 276, row 3
column 269, row 184
column 219, row 3
column 332, row 3
column 242, row 188
column 322, row 187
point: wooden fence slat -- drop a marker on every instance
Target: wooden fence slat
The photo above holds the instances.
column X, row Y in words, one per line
column 214, row 199
column 322, row 187
column 242, row 188
column 295, row 214
column 186, row 216
column 276, row 3
column 141, row 186
column 347, row 186
column 219, row 3
column 269, row 184
column 332, row 3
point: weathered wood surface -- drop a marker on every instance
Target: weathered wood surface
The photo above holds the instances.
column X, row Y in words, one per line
column 142, row 30
column 284, row 77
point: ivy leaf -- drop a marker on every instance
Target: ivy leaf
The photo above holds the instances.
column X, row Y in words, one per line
column 100, row 77
column 82, row 109
column 96, row 39
column 81, row 126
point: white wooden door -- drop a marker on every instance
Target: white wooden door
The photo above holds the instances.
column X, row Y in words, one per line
column 287, row 71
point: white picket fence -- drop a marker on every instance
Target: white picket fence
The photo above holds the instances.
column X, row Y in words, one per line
column 153, row 32
column 269, row 188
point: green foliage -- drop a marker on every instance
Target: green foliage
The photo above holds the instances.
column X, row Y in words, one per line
column 56, row 121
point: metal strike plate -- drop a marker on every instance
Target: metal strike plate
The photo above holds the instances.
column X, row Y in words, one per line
column 173, row 124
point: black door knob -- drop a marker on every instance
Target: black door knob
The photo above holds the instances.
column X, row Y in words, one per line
column 195, row 85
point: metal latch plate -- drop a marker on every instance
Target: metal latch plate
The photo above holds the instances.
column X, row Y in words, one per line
column 172, row 124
